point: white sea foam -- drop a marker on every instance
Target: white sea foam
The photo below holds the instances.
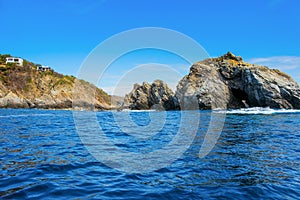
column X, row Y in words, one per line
column 260, row 111
column 128, row 110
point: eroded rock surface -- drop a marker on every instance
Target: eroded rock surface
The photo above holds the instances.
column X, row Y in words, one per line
column 229, row 82
column 147, row 96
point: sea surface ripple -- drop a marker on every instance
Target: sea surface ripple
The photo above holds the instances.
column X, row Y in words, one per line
column 257, row 156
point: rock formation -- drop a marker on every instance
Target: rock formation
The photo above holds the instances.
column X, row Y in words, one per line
column 229, row 82
column 225, row 82
column 156, row 96
column 26, row 87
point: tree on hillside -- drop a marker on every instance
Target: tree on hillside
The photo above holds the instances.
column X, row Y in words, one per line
column 3, row 58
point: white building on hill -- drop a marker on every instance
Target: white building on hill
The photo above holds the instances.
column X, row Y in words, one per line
column 43, row 68
column 18, row 61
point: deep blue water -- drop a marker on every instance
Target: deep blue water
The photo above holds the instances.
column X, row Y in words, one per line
column 257, row 156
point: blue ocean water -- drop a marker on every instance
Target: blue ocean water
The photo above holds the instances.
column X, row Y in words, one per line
column 257, row 156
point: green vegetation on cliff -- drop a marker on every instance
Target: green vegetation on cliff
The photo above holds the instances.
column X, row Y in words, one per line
column 25, row 86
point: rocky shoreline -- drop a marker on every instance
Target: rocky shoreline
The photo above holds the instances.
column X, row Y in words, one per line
column 226, row 82
column 25, row 86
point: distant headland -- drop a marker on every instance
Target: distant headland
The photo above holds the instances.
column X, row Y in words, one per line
column 24, row 84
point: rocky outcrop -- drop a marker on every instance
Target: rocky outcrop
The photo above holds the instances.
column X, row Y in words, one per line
column 224, row 82
column 11, row 100
column 26, row 87
column 147, row 96
column 229, row 82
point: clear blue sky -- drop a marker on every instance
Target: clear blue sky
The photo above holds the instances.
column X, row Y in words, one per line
column 61, row 33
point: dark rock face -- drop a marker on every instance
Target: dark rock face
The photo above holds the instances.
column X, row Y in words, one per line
column 229, row 82
column 156, row 96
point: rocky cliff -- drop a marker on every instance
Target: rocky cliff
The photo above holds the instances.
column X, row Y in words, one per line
column 224, row 82
column 220, row 83
column 229, row 82
column 147, row 96
column 26, row 87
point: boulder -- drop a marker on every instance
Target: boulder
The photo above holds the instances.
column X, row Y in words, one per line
column 11, row 100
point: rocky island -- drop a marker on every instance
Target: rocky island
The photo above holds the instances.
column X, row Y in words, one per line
column 226, row 82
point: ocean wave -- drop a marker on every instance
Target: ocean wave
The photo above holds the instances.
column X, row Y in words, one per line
column 260, row 111
column 23, row 115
